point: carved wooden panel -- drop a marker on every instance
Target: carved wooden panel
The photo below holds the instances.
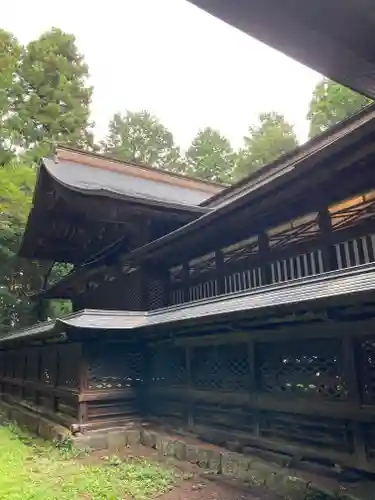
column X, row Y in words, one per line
column 306, row 368
column 221, row 367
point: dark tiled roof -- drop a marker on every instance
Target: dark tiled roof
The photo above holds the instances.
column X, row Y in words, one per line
column 334, row 284
column 81, row 177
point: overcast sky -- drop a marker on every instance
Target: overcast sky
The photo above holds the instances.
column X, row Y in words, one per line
column 169, row 57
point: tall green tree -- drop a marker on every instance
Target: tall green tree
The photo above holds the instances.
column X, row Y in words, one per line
column 211, row 157
column 20, row 278
column 53, row 101
column 141, row 137
column 272, row 137
column 332, row 103
column 10, row 57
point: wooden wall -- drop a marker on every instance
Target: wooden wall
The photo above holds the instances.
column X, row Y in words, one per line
column 44, row 378
column 306, row 391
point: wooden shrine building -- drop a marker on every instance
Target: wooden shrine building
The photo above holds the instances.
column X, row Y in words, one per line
column 246, row 311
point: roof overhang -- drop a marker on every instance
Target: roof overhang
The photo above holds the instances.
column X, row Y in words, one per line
column 83, row 203
column 326, row 289
column 335, row 38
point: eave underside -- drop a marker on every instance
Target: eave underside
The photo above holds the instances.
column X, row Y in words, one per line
column 335, row 38
column 329, row 288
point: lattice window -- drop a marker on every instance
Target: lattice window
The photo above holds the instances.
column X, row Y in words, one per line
column 241, row 250
column 116, row 366
column 168, row 366
column 222, row 367
column 69, row 359
column 355, row 252
column 299, row 266
column 156, row 294
column 307, row 430
column 309, row 368
column 353, row 211
column 366, row 351
column 294, row 232
column 132, row 291
column 243, row 280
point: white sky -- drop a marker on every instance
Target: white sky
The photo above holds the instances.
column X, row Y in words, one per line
column 169, row 57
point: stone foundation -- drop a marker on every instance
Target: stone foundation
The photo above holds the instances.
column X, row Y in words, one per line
column 211, row 459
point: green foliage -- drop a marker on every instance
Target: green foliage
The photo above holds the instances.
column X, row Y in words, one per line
column 10, row 53
column 19, row 278
column 266, row 142
column 330, row 104
column 31, row 469
column 141, row 137
column 52, row 104
column 211, row 157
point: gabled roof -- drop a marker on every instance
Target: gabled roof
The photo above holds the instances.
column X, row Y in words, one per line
column 334, row 37
column 331, row 286
column 80, row 196
column 99, row 175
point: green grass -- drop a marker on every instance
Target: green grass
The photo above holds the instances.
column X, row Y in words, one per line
column 31, row 469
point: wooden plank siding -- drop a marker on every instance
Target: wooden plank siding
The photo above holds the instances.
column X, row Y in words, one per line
column 310, row 392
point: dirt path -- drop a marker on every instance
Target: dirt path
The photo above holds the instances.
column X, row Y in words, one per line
column 207, row 490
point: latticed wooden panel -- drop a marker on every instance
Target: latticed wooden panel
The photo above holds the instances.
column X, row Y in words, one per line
column 366, row 351
column 9, row 363
column 353, row 211
column 221, row 367
column 68, row 359
column 223, row 416
column 308, row 368
column 156, row 296
column 116, row 366
column 131, row 289
column 305, row 430
column 293, row 232
column 369, row 438
column 168, row 366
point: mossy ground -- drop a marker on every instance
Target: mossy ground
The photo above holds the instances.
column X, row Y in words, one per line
column 31, row 469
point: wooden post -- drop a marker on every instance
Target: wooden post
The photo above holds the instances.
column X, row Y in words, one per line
column 186, row 281
column 189, row 402
column 82, row 411
column 251, row 358
column 325, row 228
column 220, row 275
column 350, row 372
column 264, row 253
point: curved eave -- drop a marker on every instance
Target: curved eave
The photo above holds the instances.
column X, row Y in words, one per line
column 326, row 289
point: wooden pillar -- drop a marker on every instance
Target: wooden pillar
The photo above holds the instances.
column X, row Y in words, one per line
column 220, row 272
column 83, row 370
column 325, row 228
column 251, row 358
column 189, row 401
column 186, row 281
column 350, row 372
column 264, row 254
